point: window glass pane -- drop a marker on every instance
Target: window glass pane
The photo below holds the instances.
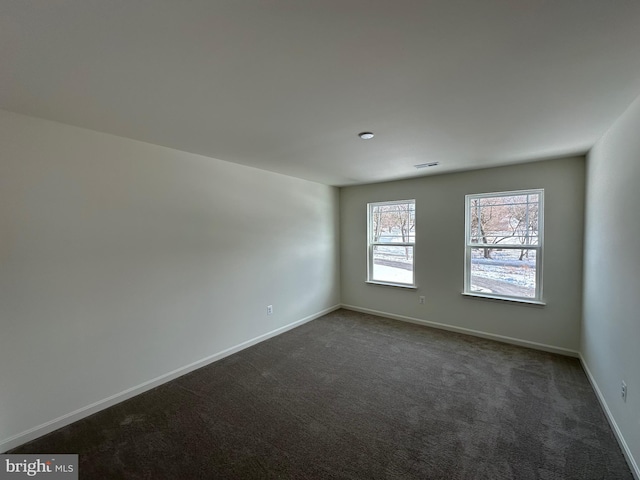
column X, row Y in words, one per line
column 392, row 264
column 509, row 272
column 393, row 223
column 506, row 220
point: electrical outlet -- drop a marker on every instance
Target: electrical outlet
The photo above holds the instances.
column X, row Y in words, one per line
column 269, row 309
column 421, row 299
column 623, row 391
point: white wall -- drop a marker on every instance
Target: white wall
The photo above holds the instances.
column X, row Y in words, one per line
column 122, row 261
column 611, row 326
column 439, row 254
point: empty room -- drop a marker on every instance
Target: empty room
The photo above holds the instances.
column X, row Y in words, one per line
column 320, row 239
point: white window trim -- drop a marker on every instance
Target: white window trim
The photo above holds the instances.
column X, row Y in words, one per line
column 539, row 248
column 371, row 244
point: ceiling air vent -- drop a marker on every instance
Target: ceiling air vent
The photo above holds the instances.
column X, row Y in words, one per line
column 427, row 165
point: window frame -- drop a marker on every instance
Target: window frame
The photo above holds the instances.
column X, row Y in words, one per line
column 371, row 245
column 539, row 248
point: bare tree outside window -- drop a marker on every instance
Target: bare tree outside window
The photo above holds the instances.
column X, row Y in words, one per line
column 392, row 242
column 504, row 244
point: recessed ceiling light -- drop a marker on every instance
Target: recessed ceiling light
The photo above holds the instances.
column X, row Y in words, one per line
column 426, row 165
column 365, row 135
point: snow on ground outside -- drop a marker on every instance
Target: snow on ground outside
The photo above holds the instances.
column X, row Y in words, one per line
column 501, row 274
column 383, row 273
column 504, row 273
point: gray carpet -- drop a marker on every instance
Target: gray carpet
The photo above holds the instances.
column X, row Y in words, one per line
column 357, row 396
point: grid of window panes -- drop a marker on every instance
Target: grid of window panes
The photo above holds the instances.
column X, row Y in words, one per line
column 392, row 239
column 503, row 252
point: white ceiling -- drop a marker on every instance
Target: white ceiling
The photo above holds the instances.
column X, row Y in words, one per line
column 285, row 85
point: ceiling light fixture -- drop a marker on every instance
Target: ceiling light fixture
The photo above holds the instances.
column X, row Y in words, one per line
column 365, row 135
column 426, row 165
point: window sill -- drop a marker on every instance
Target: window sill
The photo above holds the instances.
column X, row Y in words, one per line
column 387, row 284
column 504, row 299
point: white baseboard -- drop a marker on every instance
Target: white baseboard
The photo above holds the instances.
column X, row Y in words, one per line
column 633, row 465
column 468, row 331
column 64, row 420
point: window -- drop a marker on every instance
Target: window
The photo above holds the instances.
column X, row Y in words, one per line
column 392, row 237
column 503, row 256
